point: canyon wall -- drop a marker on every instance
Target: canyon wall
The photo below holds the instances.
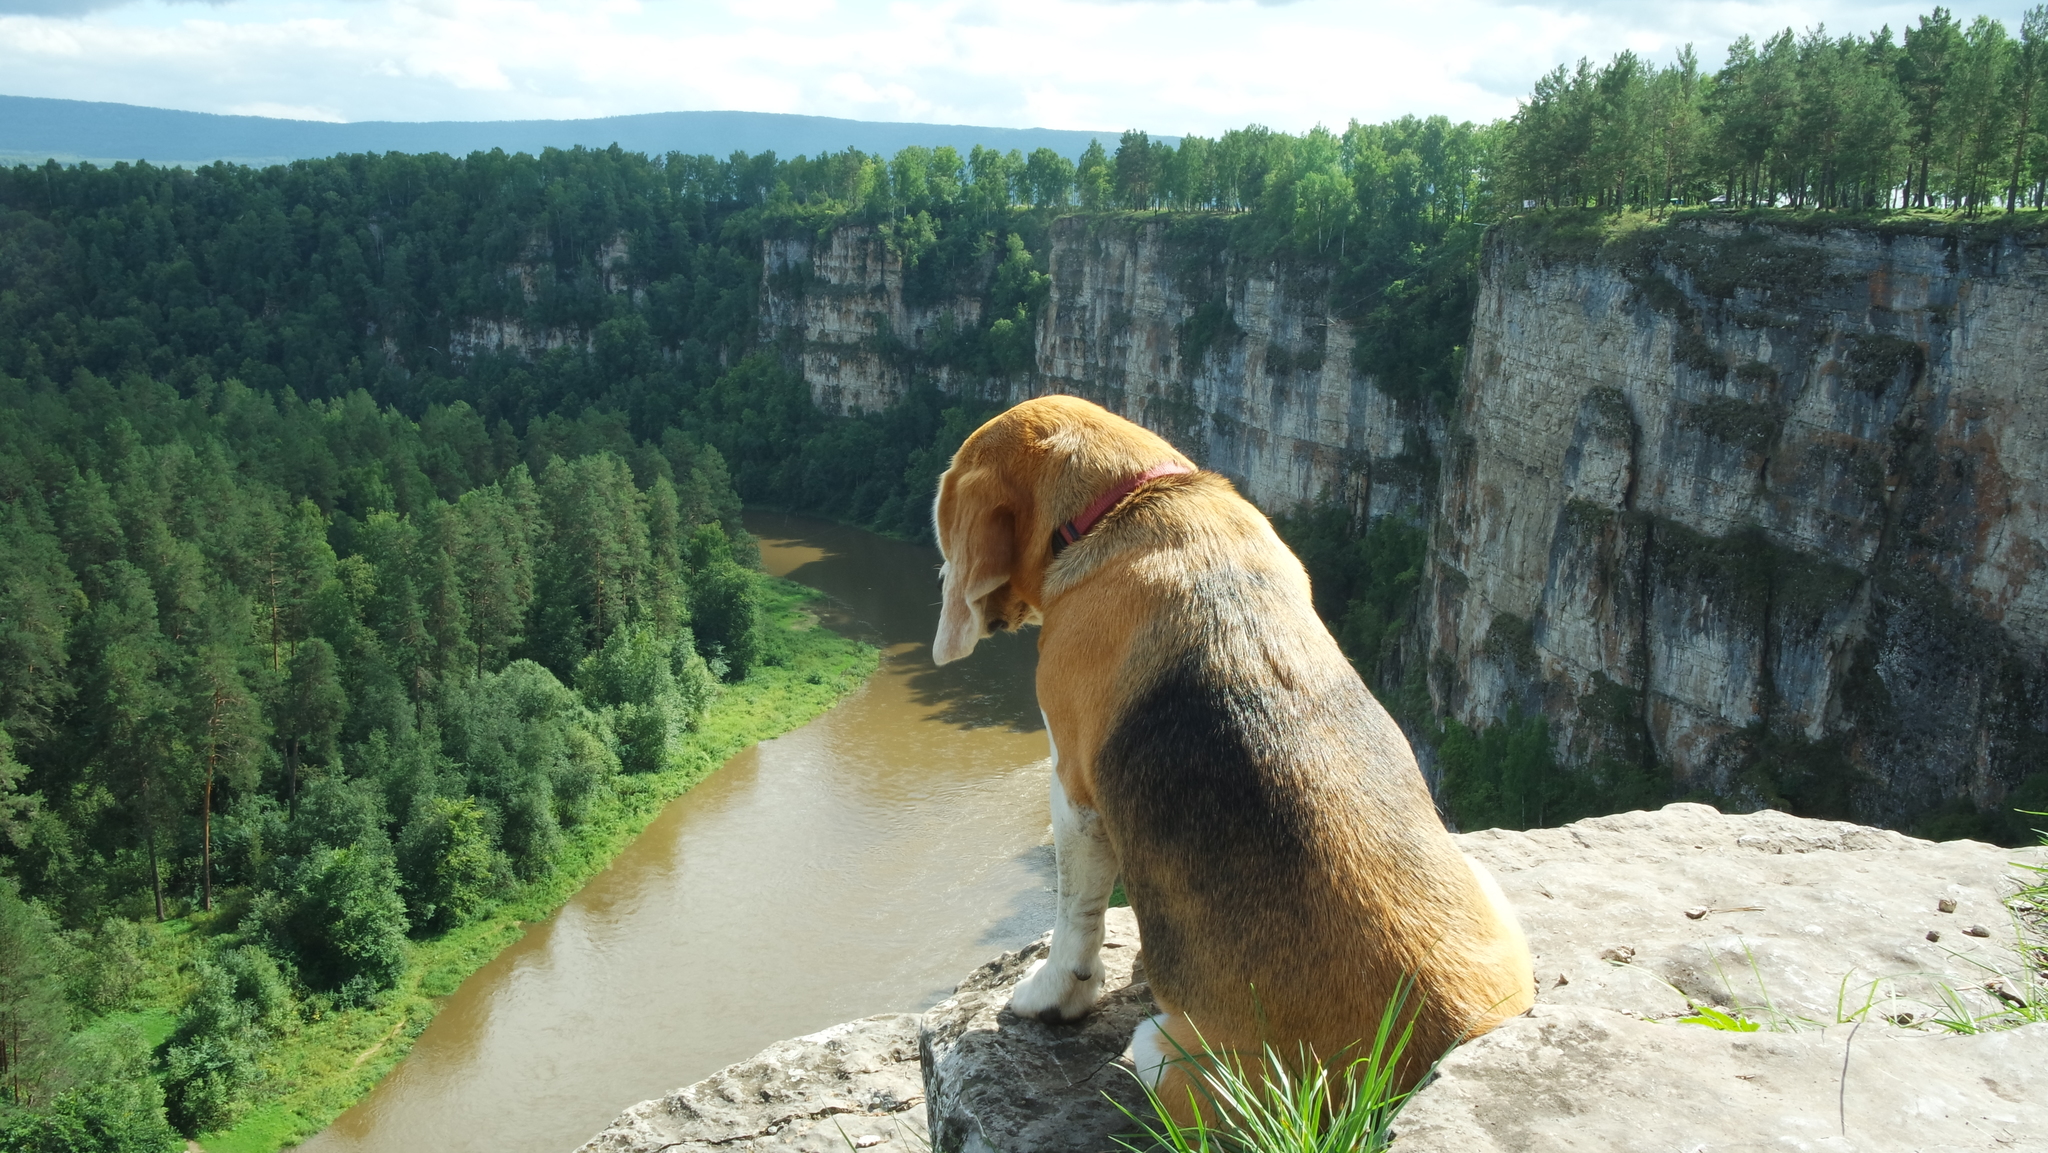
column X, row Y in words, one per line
column 1744, row 512
column 1761, row 508
column 1240, row 364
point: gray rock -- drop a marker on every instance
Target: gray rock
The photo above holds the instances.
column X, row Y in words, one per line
column 1808, row 921
column 815, row 1094
column 997, row 1083
column 1572, row 1077
column 1809, row 927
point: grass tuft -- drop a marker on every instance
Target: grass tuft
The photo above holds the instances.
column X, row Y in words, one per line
column 1308, row 1106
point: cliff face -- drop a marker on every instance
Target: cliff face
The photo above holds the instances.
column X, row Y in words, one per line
column 1755, row 512
column 1240, row 365
column 856, row 329
column 1762, row 507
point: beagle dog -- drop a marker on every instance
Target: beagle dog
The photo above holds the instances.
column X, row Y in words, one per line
column 1213, row 747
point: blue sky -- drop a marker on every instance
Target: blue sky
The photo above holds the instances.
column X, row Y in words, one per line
column 1169, row 67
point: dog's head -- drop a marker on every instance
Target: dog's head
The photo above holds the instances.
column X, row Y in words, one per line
column 1019, row 476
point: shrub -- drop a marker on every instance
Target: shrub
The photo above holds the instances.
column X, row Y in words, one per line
column 211, row 1058
column 450, row 868
column 339, row 916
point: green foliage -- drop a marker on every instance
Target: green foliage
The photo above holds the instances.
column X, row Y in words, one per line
column 1210, row 326
column 650, row 688
column 211, row 1059
column 121, row 1114
column 1365, row 583
column 33, row 1021
column 1719, row 1019
column 1875, row 362
column 1950, row 118
column 728, row 617
column 338, row 916
column 64, row 1091
column 450, row 866
column 1753, row 427
column 1504, row 775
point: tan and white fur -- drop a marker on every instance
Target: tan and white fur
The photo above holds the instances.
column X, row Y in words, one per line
column 1214, row 748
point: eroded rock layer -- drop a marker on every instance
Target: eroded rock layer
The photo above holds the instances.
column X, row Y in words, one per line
column 1239, row 363
column 1759, row 508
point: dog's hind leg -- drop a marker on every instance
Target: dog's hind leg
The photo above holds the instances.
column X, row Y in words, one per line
column 1164, row 1053
column 1064, row 986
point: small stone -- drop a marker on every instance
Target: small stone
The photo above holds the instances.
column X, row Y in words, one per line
column 1976, row 931
column 1697, row 911
column 1620, row 954
column 1934, row 934
column 1562, row 981
column 867, row 1141
column 1998, row 990
column 1946, row 904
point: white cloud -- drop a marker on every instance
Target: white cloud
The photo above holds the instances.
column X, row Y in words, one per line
column 1169, row 66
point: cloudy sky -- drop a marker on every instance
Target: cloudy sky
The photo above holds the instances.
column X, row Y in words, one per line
column 1169, row 67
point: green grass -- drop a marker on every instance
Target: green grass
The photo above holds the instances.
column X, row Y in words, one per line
column 329, row 1060
column 1303, row 1106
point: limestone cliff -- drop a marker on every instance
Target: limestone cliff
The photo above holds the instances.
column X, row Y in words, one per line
column 1762, row 507
column 1240, row 363
column 1745, row 512
column 844, row 309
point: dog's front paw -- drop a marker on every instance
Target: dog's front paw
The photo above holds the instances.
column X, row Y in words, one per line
column 1056, row 995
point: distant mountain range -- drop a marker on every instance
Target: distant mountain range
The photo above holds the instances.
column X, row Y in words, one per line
column 34, row 129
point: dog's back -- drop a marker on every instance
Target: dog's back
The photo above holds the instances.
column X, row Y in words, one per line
column 1283, row 856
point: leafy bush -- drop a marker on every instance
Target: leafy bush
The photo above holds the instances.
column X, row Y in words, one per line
column 338, row 915
column 123, row 1116
column 210, row 1061
column 450, row 868
column 726, row 609
column 651, row 689
column 530, row 752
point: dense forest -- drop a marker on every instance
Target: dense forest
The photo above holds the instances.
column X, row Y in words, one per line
column 1943, row 115
column 320, row 675
column 370, row 523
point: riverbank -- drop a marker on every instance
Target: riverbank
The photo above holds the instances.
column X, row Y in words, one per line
column 326, row 1062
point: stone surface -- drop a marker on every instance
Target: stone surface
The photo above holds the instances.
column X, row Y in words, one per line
column 1576, row 1078
column 813, row 1094
column 1809, row 925
column 1000, row 1085
column 1808, row 920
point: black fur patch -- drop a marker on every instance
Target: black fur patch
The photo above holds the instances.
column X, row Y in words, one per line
column 1195, row 779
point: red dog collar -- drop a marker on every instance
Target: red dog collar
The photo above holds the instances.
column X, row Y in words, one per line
column 1077, row 528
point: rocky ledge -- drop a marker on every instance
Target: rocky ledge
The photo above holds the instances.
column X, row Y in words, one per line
column 1841, row 943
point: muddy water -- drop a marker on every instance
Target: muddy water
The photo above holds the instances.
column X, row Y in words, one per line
column 858, row 865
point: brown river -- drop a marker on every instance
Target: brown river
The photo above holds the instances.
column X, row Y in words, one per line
column 861, row 864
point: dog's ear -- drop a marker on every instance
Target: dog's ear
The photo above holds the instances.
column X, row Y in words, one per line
column 977, row 538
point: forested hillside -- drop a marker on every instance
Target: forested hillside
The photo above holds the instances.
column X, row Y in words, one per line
column 1941, row 114
column 321, row 679
column 370, row 544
